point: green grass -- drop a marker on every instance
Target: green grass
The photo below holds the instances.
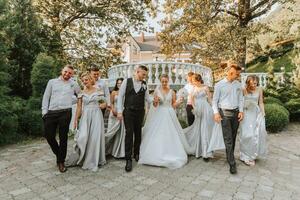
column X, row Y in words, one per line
column 282, row 61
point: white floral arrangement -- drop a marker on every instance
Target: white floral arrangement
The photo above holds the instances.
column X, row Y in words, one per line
column 102, row 99
column 182, row 93
column 144, row 86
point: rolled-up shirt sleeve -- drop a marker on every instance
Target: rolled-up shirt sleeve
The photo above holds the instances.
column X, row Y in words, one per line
column 241, row 102
column 77, row 89
column 121, row 96
column 46, row 98
column 215, row 99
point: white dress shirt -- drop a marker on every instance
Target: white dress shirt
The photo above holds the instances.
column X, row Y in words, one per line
column 189, row 88
column 228, row 95
column 102, row 85
column 58, row 94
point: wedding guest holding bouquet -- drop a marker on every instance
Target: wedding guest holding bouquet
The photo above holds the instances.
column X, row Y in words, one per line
column 90, row 142
column 100, row 83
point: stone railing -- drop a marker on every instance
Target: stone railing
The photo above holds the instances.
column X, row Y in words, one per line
column 177, row 71
column 262, row 78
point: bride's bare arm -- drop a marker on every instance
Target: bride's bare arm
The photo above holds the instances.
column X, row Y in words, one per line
column 155, row 99
column 261, row 101
column 78, row 112
column 175, row 103
column 209, row 96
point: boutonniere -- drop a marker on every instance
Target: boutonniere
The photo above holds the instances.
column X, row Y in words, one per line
column 144, row 86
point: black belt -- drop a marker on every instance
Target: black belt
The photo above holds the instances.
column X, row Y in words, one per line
column 59, row 111
column 230, row 110
column 134, row 109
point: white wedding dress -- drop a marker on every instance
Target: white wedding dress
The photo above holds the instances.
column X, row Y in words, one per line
column 163, row 143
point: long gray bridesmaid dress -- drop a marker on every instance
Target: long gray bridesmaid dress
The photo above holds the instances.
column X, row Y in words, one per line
column 252, row 130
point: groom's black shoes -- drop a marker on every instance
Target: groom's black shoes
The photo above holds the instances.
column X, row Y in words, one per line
column 61, row 167
column 136, row 157
column 128, row 166
column 233, row 169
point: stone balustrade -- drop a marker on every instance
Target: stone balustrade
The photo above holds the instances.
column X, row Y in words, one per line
column 177, row 71
column 262, row 78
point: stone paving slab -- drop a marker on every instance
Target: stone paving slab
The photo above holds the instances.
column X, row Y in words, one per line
column 28, row 171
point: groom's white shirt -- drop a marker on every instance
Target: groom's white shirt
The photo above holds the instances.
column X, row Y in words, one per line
column 228, row 95
column 137, row 86
column 189, row 88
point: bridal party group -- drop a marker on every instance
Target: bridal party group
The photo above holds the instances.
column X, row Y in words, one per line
column 145, row 128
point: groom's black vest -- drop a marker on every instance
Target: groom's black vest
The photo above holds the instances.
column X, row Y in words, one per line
column 133, row 100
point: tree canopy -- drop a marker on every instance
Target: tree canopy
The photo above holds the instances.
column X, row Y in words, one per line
column 82, row 27
column 214, row 30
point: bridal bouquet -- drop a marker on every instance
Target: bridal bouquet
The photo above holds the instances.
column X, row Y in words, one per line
column 102, row 99
column 182, row 94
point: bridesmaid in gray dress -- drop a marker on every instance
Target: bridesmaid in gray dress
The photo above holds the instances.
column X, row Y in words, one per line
column 252, row 131
column 90, row 142
column 115, row 135
column 199, row 133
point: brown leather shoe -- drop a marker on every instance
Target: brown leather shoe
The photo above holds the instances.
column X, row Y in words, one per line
column 61, row 167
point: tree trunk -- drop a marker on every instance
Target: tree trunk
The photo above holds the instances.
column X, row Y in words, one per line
column 242, row 49
column 242, row 53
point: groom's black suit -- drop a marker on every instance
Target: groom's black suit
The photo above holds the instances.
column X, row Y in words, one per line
column 134, row 111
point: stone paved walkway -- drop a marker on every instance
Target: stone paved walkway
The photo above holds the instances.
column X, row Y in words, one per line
column 28, row 172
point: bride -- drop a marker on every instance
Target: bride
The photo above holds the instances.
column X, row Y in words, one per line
column 162, row 139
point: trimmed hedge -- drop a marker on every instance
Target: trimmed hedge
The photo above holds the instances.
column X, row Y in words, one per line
column 270, row 100
column 277, row 117
column 293, row 107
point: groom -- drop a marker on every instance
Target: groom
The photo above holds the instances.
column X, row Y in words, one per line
column 132, row 96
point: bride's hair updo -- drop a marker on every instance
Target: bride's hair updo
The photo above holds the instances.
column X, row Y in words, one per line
column 89, row 76
column 198, row 78
column 164, row 76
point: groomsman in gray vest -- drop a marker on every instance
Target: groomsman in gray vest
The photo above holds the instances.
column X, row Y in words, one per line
column 57, row 112
column 227, row 105
column 132, row 96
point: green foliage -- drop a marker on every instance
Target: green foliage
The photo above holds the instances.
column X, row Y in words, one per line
column 271, row 100
column 43, row 69
column 281, row 58
column 86, row 25
column 31, row 122
column 214, row 30
column 293, row 106
column 11, row 109
column 8, row 124
column 282, row 91
column 277, row 117
column 25, row 34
